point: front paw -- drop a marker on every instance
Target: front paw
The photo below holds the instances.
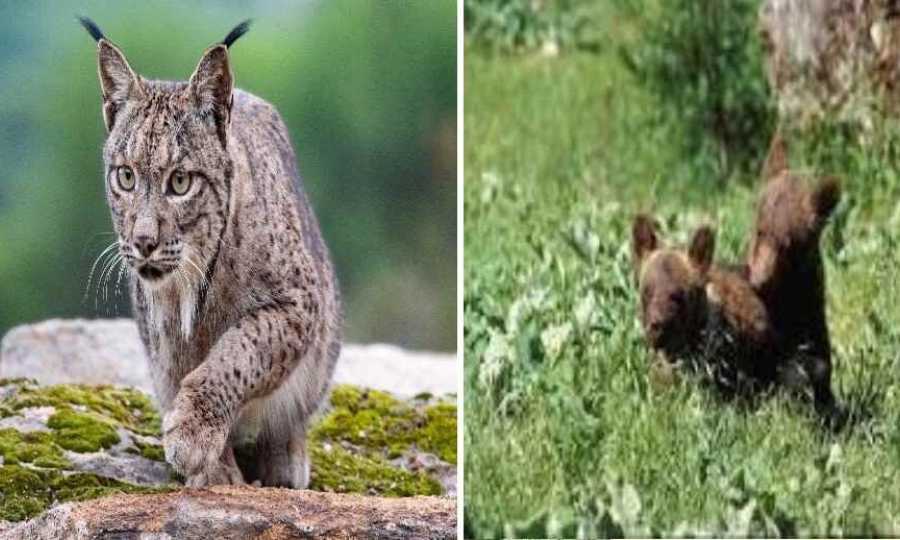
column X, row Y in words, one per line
column 192, row 444
column 220, row 474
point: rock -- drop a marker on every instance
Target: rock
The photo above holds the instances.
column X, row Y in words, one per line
column 124, row 467
column 103, row 351
column 831, row 58
column 395, row 370
column 65, row 443
column 244, row 512
column 109, row 351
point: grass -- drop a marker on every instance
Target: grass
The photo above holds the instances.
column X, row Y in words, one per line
column 563, row 433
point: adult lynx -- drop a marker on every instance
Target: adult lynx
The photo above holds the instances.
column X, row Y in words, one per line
column 231, row 283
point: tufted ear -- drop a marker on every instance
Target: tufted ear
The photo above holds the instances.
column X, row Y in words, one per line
column 703, row 245
column 118, row 82
column 212, row 83
column 644, row 238
column 210, row 88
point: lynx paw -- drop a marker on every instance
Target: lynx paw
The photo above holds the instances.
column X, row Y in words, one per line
column 221, row 474
column 192, row 445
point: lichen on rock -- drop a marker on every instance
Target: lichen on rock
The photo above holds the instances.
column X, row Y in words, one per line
column 38, row 463
column 371, row 442
column 27, row 492
column 90, row 441
column 377, row 421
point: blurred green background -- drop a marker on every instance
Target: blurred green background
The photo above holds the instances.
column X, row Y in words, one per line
column 368, row 91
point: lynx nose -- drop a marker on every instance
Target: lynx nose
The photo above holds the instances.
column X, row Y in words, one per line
column 145, row 245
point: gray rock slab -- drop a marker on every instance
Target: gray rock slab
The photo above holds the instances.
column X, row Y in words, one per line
column 109, row 351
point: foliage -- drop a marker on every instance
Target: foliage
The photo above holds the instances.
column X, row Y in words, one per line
column 561, row 422
column 703, row 63
column 515, row 25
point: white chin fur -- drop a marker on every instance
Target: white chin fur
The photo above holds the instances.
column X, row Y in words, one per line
column 173, row 295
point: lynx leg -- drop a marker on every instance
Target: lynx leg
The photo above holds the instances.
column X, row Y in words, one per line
column 283, row 460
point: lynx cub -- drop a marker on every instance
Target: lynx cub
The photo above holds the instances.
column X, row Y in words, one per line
column 232, row 287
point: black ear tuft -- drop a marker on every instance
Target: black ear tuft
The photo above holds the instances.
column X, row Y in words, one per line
column 91, row 27
column 236, row 33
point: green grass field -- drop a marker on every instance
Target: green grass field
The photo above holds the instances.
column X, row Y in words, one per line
column 563, row 434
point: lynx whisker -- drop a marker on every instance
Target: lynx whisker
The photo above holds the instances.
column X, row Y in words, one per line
column 105, row 275
column 94, row 267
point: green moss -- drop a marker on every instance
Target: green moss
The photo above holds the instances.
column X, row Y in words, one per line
column 25, row 493
column 364, row 430
column 341, row 471
column 150, row 451
column 346, row 396
column 82, row 432
column 36, row 447
column 383, row 425
column 83, row 486
column 438, row 434
column 28, row 492
column 130, row 408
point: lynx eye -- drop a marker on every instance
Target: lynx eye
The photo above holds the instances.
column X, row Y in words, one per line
column 124, row 177
column 179, row 183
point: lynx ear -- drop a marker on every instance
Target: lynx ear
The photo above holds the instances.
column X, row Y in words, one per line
column 644, row 238
column 700, row 252
column 211, row 85
column 118, row 82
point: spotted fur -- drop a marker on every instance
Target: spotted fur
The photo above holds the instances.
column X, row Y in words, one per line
column 232, row 286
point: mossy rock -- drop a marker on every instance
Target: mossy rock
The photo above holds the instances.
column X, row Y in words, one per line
column 129, row 408
column 27, row 492
column 36, row 447
column 379, row 422
column 353, row 447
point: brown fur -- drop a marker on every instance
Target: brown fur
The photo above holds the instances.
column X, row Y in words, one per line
column 684, row 295
column 785, row 266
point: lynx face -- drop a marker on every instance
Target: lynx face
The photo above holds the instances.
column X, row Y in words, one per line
column 168, row 171
column 167, row 184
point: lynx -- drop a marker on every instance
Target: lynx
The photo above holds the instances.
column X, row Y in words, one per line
column 232, row 286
